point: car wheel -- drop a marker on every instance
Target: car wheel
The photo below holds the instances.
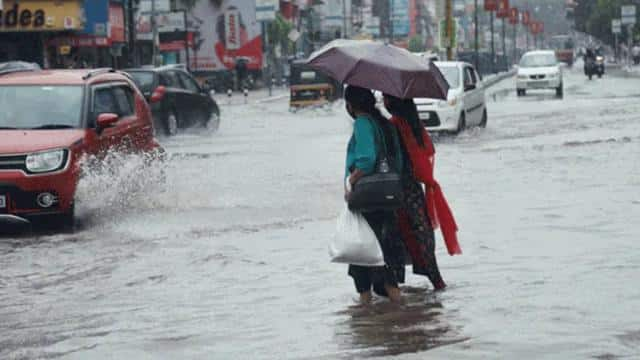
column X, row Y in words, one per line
column 171, row 124
column 462, row 124
column 599, row 75
column 483, row 122
column 590, row 76
column 522, row 92
column 560, row 91
column 213, row 123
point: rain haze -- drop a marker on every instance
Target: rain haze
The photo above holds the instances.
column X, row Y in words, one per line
column 218, row 247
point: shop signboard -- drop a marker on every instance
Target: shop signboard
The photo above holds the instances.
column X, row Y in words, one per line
column 166, row 23
column 266, row 10
column 490, row 5
column 40, row 15
column 628, row 14
column 161, row 5
column 616, row 26
column 96, row 14
column 503, row 9
column 116, row 23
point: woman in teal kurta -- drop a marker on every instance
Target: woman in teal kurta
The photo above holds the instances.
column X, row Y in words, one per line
column 362, row 151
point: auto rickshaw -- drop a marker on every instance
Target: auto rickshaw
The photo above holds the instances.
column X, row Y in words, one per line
column 311, row 88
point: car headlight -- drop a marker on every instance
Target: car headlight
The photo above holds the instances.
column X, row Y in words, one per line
column 46, row 161
column 522, row 77
column 453, row 102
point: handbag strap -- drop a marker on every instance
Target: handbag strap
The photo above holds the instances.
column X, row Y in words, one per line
column 382, row 151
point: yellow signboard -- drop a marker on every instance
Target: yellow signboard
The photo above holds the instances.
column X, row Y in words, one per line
column 40, row 15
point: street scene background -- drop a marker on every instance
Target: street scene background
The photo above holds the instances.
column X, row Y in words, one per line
column 230, row 260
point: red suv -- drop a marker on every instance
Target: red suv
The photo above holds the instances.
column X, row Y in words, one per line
column 50, row 119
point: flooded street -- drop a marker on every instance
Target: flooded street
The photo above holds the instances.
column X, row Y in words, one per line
column 228, row 260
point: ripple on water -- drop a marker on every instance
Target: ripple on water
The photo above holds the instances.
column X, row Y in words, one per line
column 386, row 329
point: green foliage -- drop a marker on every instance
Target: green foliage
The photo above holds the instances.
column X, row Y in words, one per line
column 594, row 17
column 416, row 44
column 278, row 33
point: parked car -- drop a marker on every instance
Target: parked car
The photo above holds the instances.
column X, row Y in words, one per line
column 176, row 99
column 539, row 69
column 465, row 105
column 49, row 120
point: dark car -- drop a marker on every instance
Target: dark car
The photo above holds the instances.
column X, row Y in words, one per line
column 176, row 99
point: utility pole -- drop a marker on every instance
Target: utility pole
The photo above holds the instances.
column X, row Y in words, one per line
column 504, row 41
column 476, row 56
column 493, row 45
column 449, row 26
column 344, row 19
column 391, row 6
column 133, row 62
column 154, row 29
column 515, row 43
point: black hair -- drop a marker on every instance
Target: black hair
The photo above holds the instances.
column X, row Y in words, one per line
column 363, row 100
column 406, row 109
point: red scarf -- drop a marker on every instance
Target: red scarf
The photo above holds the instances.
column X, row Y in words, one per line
column 422, row 161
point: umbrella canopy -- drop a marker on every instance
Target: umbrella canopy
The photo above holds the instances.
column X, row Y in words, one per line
column 378, row 66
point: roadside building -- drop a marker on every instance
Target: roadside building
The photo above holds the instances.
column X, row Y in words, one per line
column 63, row 33
column 27, row 25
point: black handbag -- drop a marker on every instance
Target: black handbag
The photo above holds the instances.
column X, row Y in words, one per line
column 381, row 190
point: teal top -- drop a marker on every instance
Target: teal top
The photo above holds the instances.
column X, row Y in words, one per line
column 362, row 151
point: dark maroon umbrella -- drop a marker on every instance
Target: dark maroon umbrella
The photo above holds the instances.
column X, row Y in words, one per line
column 378, row 66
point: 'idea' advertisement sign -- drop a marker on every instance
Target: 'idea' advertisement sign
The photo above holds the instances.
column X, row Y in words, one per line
column 40, row 15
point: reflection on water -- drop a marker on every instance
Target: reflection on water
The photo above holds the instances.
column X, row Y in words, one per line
column 386, row 329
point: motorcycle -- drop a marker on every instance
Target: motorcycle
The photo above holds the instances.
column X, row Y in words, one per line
column 600, row 65
column 594, row 66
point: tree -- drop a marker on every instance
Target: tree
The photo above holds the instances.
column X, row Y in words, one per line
column 416, row 44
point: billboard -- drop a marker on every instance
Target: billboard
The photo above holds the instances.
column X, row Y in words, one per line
column 223, row 31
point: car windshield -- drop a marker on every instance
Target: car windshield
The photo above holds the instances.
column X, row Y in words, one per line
column 40, row 106
column 143, row 79
column 538, row 60
column 452, row 75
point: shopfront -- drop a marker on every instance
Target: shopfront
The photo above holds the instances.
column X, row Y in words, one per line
column 27, row 25
column 99, row 44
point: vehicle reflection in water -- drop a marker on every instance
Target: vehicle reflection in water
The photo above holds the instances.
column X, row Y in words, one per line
column 386, row 329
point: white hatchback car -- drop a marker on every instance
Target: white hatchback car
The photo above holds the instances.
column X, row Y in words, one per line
column 539, row 70
column 465, row 105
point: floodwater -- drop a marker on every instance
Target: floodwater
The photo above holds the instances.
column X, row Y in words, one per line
column 228, row 259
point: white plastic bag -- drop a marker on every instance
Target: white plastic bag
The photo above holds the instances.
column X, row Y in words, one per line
column 354, row 242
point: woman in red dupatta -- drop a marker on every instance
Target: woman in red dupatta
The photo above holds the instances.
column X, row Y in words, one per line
column 422, row 212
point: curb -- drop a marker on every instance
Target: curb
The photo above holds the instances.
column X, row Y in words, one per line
column 272, row 99
column 497, row 78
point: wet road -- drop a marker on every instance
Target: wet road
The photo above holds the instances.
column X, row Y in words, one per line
column 229, row 260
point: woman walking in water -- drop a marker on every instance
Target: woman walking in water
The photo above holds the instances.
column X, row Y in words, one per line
column 421, row 212
column 361, row 160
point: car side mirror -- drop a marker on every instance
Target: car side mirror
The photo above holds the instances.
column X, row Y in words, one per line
column 158, row 94
column 469, row 87
column 106, row 120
